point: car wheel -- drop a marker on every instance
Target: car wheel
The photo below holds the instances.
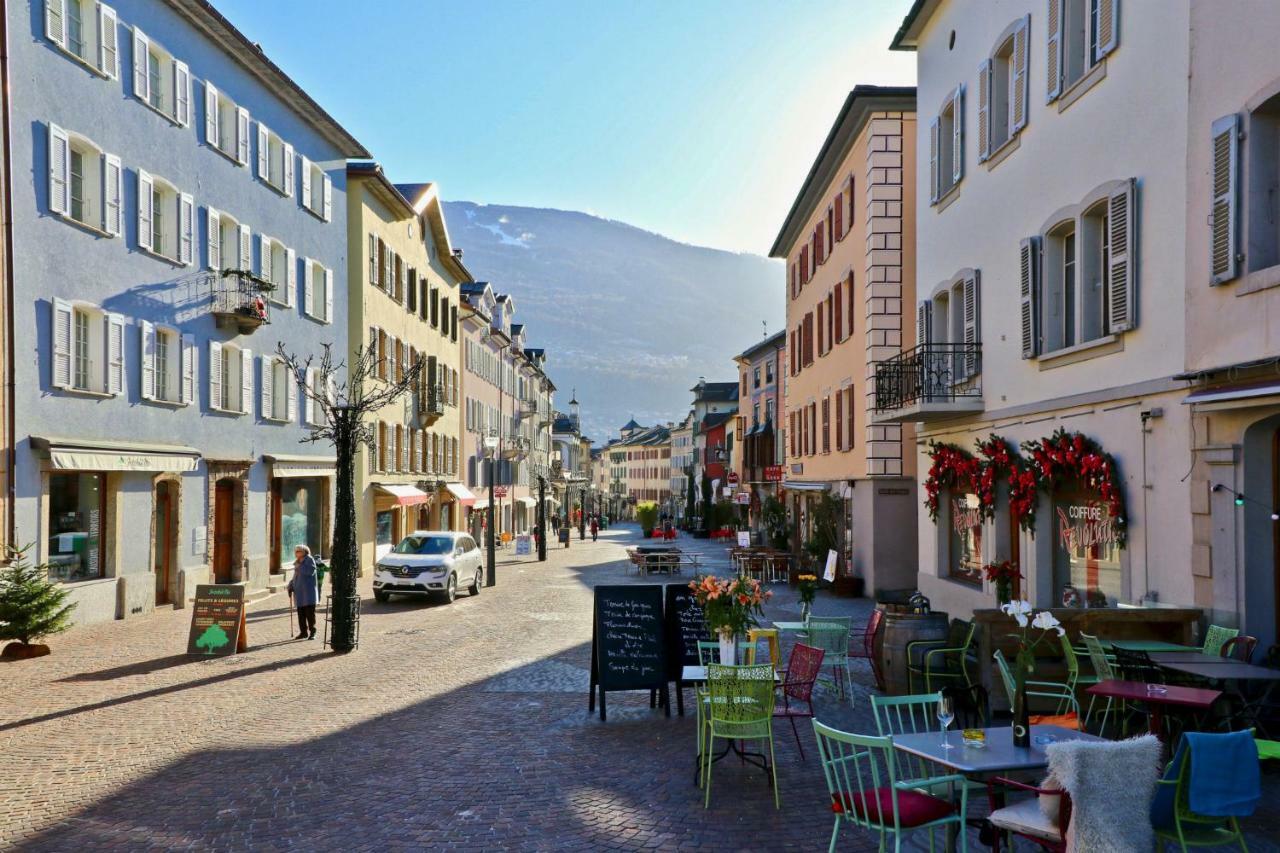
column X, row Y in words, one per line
column 451, row 589
column 477, row 583
column 381, row 597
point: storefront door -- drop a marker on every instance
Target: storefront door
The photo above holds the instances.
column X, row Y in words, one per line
column 223, row 530
column 162, row 548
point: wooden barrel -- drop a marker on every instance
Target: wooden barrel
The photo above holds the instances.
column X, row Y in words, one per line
column 897, row 630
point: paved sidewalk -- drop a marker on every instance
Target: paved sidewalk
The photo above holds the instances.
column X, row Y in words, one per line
column 453, row 727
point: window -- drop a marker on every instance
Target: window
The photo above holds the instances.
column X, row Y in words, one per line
column 1086, row 550
column 168, row 359
column 226, row 125
column 946, row 145
column 768, row 372
column 411, row 291
column 77, row 516
column 826, row 424
column 1244, row 225
column 756, row 377
column 278, row 401
column 317, row 289
column 1081, row 33
column 275, row 161
column 302, row 501
column 230, row 378
column 277, row 265
column 160, row 81
column 166, row 219
column 88, row 349
column 951, row 320
column 86, row 30
column 964, row 539
column 229, row 244
column 84, row 182
column 1003, row 89
column 317, row 189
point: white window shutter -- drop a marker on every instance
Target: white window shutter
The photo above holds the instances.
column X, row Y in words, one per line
column 328, row 295
column 308, row 288
column 330, row 395
column 188, row 369
column 141, row 77
column 115, row 354
column 972, row 296
column 246, row 249
column 147, row 334
column 934, row 148
column 112, row 206
column 1053, row 51
column 404, row 451
column 1029, row 295
column 213, row 238
column 181, row 93
column 287, row 172
column 291, row 396
column 55, row 21
column 215, row 375
column 1019, row 96
column 59, row 170
column 1224, row 207
column 373, row 260
column 61, row 362
column 308, row 412
column 327, row 210
column 984, row 110
column 957, row 136
column 924, row 323
column 1108, row 26
column 305, row 168
column 1121, row 219
column 242, row 136
column 268, row 380
column 210, row 113
column 290, row 275
column 246, row 380
column 186, row 228
column 146, row 198
column 108, row 41
column 264, row 150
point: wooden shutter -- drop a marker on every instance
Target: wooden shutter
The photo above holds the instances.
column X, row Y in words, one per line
column 246, row 248
column 181, row 93
column 304, row 167
column 210, row 113
column 59, row 171
column 821, row 328
column 115, row 354
column 1121, row 219
column 213, row 238
column 971, row 295
column 55, row 21
column 849, row 294
column 1021, row 81
column 286, row 173
column 984, row 110
column 1029, row 295
column 61, row 362
column 1053, row 51
column 147, row 336
column 849, row 421
column 186, row 228
column 1108, row 27
column 327, row 211
column 839, row 398
column 290, row 276
column 108, row 40
column 242, row 136
column 266, row 394
column 934, row 148
column 957, row 135
column 1224, row 207
column 308, row 288
column 246, row 379
column 188, row 369
column 141, row 77
column 146, row 198
column 264, row 151
column 113, row 189
column 837, row 308
column 328, row 295
column 838, row 212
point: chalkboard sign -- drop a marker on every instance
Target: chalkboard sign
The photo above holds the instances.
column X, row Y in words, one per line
column 628, row 642
column 686, row 625
column 217, row 621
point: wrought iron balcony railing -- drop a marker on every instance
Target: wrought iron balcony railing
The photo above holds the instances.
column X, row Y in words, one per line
column 930, row 373
column 239, row 299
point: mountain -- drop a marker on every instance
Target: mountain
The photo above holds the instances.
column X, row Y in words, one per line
column 629, row 318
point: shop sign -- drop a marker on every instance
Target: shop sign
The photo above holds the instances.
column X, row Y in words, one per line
column 733, row 478
column 965, row 517
column 1082, row 526
column 773, row 473
column 217, row 621
column 499, row 491
column 743, row 498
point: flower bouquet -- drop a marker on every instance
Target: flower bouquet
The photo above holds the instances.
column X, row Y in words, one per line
column 1024, row 661
column 1002, row 574
column 731, row 606
column 808, row 585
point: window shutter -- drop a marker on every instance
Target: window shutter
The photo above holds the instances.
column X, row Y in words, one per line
column 264, row 150
column 55, row 21
column 934, row 147
column 112, row 203
column 213, row 238
column 146, row 197
column 1108, row 26
column 328, row 295
column 308, row 287
column 115, row 354
column 246, row 248
column 148, row 337
column 61, row 363
column 1021, row 83
column 246, row 380
column 404, row 451
column 305, row 168
column 266, row 393
column 1121, row 219
column 264, row 258
column 181, row 93
column 215, row 376
column 838, row 209
column 290, row 391
column 1053, row 51
column 984, row 110
column 290, row 275
column 972, row 324
column 837, row 308
column 957, row 136
column 141, row 79
column 287, row 172
column 188, row 369
column 1029, row 295
column 186, row 228
column 210, row 113
column 327, row 212
column 850, row 295
column 308, row 413
column 242, row 136
column 1224, row 209
column 108, row 40
column 59, row 170
column 924, row 323
column 839, row 399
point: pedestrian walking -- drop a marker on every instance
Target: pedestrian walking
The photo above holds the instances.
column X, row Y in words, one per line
column 303, row 591
column 595, row 528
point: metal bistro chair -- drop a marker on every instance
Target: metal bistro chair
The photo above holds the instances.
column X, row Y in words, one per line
column 831, row 634
column 709, row 653
column 797, row 686
column 868, row 650
column 947, row 659
column 1240, row 648
column 1215, row 637
column 769, row 635
column 899, row 715
column 1174, row 820
column 739, row 707
column 1075, row 680
column 1103, row 671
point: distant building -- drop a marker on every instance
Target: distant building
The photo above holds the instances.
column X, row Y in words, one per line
column 758, row 452
column 717, row 401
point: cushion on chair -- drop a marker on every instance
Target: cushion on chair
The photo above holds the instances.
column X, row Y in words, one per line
column 914, row 808
column 1051, row 804
column 1027, row 817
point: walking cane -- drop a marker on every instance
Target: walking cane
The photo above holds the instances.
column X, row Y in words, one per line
column 291, row 634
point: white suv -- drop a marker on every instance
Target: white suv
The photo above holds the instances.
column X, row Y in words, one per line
column 430, row 562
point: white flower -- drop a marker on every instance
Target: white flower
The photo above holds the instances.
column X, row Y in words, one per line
column 1019, row 610
column 1046, row 621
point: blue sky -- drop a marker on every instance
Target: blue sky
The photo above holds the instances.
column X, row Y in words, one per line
column 694, row 119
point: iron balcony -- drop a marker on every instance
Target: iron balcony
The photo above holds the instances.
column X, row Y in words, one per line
column 929, row 383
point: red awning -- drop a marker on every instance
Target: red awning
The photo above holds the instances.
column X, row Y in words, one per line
column 462, row 493
column 404, row 495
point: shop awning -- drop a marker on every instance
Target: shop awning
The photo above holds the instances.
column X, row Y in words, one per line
column 1235, row 397
column 404, row 495
column 805, row 486
column 71, row 454
column 528, row 501
column 461, row 492
column 482, row 503
column 297, row 465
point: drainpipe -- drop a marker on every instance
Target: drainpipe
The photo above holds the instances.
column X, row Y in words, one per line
column 6, row 315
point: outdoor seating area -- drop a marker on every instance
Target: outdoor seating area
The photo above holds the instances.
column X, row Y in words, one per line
column 768, row 565
column 668, row 560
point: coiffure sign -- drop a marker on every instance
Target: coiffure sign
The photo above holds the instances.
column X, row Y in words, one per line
column 1087, row 525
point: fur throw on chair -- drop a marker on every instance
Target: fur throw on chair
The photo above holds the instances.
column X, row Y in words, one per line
column 1112, row 784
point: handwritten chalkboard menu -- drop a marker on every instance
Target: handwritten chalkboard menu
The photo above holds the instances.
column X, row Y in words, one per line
column 628, row 642
column 217, row 621
column 686, row 625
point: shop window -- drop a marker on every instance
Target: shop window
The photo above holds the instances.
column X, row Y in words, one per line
column 302, row 501
column 77, row 510
column 384, row 531
column 964, row 539
column 1086, row 552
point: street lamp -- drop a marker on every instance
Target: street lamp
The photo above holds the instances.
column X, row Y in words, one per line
column 489, row 446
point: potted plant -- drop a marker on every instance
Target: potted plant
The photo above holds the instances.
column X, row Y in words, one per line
column 1002, row 574
column 808, row 592
column 1025, row 660
column 647, row 515
column 730, row 606
column 31, row 606
column 774, row 519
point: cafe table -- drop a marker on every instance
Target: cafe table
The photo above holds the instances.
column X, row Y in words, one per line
column 1148, row 646
column 1169, row 659
column 1175, row 695
column 791, row 626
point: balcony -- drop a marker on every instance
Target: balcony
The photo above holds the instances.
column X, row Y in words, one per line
column 932, row 382
column 430, row 404
column 526, row 409
column 239, row 300
column 516, row 447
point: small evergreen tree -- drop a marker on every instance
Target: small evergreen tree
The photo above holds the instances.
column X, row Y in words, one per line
column 31, row 605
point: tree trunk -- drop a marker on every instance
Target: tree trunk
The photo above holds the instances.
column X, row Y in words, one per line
column 345, row 561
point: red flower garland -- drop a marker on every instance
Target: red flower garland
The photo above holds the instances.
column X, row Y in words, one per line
column 1074, row 458
column 952, row 468
column 1000, row 462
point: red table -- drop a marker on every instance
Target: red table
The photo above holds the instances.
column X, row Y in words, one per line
column 1136, row 691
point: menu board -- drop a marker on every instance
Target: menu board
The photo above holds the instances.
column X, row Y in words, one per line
column 217, row 621
column 628, row 643
column 686, row 626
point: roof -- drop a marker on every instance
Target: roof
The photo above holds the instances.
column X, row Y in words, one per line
column 776, row 341
column 385, row 191
column 917, row 16
column 202, row 15
column 714, row 420
column 426, row 202
column 715, row 391
column 631, row 424
column 516, row 328
column 853, row 116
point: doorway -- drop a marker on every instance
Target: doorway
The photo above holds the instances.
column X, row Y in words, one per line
column 224, row 498
column 162, row 547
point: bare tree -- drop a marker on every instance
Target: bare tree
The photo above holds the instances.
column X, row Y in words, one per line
column 339, row 407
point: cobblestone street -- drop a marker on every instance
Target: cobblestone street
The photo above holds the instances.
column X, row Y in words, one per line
column 459, row 727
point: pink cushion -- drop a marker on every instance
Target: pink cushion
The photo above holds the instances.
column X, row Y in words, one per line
column 914, row 808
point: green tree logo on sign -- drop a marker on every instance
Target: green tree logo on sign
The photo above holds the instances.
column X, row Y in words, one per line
column 212, row 638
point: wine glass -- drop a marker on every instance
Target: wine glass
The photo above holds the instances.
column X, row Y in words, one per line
column 946, row 713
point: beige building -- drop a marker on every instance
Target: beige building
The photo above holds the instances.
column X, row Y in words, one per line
column 849, row 246
column 403, row 303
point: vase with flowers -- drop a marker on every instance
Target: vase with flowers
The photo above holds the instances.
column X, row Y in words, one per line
column 808, row 588
column 731, row 606
column 1002, row 574
column 1024, row 662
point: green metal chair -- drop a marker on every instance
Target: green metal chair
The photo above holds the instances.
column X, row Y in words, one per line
column 739, row 707
column 898, row 715
column 862, row 781
column 831, row 634
column 1076, row 680
column 1102, row 671
column 1190, row 829
column 1055, row 690
column 1216, row 637
column 946, row 659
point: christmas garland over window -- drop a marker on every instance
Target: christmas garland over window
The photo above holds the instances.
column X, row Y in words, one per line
column 998, row 462
column 952, row 468
column 1073, row 458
